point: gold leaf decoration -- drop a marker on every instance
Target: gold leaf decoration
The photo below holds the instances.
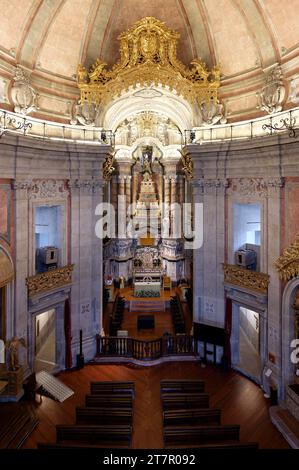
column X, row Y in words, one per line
column 49, row 280
column 287, row 264
column 148, row 55
column 242, row 277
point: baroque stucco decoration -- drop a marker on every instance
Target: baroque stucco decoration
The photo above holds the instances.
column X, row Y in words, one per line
column 86, row 114
column 212, row 113
column 287, row 264
column 148, row 57
column 23, row 95
column 43, row 189
column 273, row 92
column 147, row 124
column 254, row 186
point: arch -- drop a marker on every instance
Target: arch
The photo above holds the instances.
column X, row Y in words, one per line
column 287, row 334
column 6, row 268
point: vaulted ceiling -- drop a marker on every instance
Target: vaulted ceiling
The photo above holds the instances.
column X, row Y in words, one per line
column 50, row 37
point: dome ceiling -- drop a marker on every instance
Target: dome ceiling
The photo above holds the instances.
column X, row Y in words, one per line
column 51, row 37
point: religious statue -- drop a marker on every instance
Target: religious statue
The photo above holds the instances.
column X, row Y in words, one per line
column 13, row 346
column 146, row 171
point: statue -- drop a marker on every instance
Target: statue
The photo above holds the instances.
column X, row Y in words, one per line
column 13, row 346
column 147, row 171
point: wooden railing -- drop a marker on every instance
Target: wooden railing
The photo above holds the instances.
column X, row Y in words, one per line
column 146, row 350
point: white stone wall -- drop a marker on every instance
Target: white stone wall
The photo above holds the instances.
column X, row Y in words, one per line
column 248, row 172
column 68, row 175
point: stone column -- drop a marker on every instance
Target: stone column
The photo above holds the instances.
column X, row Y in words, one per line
column 121, row 186
column 167, row 190
column 181, row 189
column 128, row 191
column 22, row 267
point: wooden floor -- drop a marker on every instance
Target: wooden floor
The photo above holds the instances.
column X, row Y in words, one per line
column 163, row 320
column 242, row 402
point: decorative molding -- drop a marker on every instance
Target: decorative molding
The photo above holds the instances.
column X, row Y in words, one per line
column 287, row 264
column 91, row 185
column 245, row 278
column 43, row 189
column 254, row 186
column 49, row 280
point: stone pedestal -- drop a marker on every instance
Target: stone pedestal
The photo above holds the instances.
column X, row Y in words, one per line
column 14, row 388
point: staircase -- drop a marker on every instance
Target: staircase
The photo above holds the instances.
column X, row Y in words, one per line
column 53, row 387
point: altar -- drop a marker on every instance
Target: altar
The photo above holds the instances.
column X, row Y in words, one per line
column 147, row 288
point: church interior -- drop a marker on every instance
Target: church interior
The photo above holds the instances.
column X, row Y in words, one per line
column 149, row 224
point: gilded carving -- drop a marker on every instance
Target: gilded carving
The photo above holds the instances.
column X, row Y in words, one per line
column 287, row 264
column 108, row 167
column 245, row 278
column 148, row 57
column 49, row 280
column 187, row 166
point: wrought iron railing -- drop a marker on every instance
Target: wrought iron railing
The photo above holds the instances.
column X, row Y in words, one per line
column 146, row 350
column 12, row 123
column 283, row 122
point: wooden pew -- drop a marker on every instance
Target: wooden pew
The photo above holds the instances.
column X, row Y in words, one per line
column 104, row 415
column 230, row 446
column 126, row 388
column 109, row 401
column 184, row 436
column 182, row 401
column 190, row 386
column 192, row 416
column 94, row 434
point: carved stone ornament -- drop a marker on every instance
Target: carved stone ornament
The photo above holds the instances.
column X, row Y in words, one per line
column 85, row 114
column 23, row 95
column 287, row 264
column 254, row 186
column 212, row 113
column 245, row 278
column 272, row 95
column 89, row 185
column 44, row 189
column 49, row 280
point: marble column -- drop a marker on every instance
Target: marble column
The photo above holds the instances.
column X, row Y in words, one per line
column 128, row 191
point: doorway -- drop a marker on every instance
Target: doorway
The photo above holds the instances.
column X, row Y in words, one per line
column 45, row 341
column 246, row 342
